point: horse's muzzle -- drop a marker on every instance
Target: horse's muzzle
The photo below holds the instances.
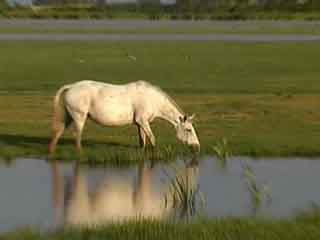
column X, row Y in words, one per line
column 195, row 147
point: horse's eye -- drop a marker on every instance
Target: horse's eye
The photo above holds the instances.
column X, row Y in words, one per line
column 188, row 130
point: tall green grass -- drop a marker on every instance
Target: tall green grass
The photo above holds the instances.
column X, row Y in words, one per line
column 217, row 229
column 183, row 195
column 259, row 193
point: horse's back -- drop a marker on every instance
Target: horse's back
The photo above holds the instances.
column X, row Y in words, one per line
column 122, row 100
column 131, row 86
column 107, row 104
column 79, row 94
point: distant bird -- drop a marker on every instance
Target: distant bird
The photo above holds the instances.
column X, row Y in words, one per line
column 132, row 57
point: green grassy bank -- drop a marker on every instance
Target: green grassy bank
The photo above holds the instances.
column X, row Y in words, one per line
column 305, row 227
column 264, row 98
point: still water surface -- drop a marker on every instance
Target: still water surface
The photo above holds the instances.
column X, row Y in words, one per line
column 43, row 194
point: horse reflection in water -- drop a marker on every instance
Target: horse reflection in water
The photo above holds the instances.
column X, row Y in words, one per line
column 114, row 199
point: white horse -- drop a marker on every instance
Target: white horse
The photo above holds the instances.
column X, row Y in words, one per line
column 136, row 103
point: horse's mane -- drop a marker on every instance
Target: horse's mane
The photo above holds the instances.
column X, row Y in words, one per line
column 161, row 91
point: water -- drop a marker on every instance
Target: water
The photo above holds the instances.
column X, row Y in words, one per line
column 45, row 195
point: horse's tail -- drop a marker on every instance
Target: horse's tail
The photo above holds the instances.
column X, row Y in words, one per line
column 58, row 120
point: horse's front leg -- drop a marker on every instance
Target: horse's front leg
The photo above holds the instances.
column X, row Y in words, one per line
column 147, row 131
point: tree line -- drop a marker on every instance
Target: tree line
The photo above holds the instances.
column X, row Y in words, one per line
column 187, row 3
column 185, row 9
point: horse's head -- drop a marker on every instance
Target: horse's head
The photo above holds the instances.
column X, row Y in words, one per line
column 186, row 132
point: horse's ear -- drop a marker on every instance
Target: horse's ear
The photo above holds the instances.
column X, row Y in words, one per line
column 183, row 119
column 191, row 117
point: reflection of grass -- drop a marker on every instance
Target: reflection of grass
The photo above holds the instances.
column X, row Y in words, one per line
column 182, row 196
column 310, row 215
column 259, row 193
column 7, row 162
column 184, row 193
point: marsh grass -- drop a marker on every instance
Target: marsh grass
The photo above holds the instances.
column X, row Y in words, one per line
column 222, row 151
column 259, row 193
column 164, row 153
column 216, row 229
column 121, row 156
column 184, row 196
column 310, row 215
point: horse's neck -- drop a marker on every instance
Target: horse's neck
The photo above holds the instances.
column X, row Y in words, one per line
column 170, row 113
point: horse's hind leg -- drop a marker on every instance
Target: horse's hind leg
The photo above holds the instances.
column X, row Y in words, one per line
column 58, row 131
column 79, row 120
column 55, row 137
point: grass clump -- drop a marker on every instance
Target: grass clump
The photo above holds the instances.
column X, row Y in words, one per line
column 222, row 150
column 183, row 195
column 259, row 193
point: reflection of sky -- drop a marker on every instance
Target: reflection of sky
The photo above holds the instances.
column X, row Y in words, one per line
column 134, row 1
column 120, row 1
column 19, row 2
column 168, row 1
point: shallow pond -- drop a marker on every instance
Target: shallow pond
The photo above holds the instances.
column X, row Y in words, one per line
column 49, row 194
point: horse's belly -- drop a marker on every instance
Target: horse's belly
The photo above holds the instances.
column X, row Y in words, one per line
column 112, row 113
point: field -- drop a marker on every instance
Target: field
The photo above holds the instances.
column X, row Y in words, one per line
column 262, row 97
